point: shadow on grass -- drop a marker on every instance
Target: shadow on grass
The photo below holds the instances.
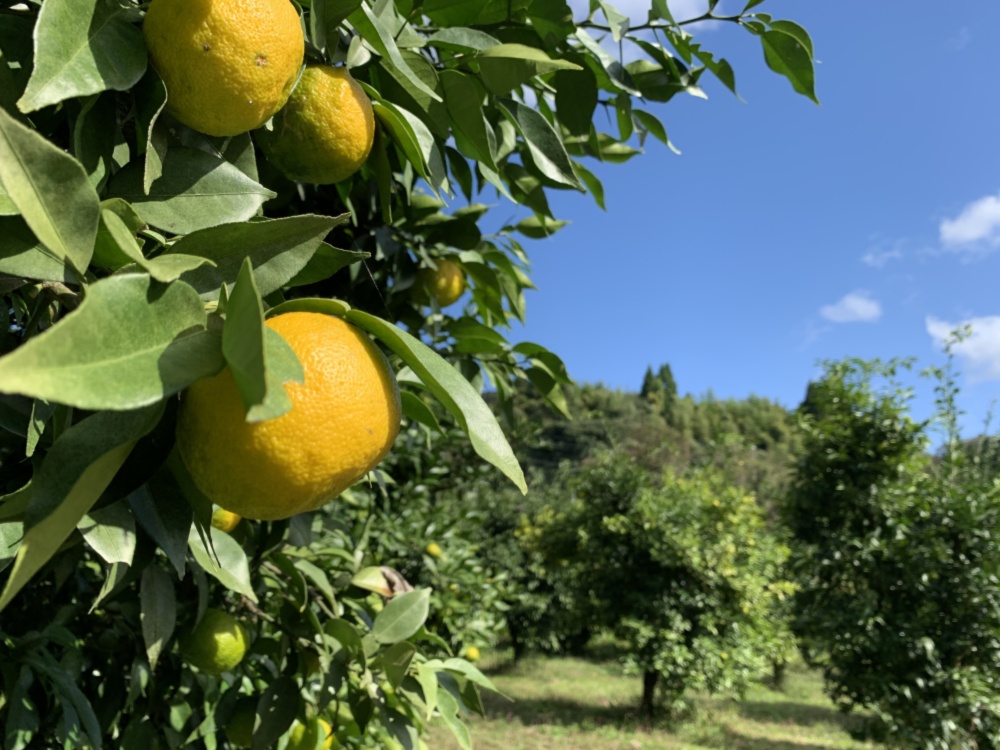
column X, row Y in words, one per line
column 737, row 741
column 800, row 714
column 561, row 712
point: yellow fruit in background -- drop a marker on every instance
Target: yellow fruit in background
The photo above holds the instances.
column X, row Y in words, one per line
column 304, row 736
column 225, row 520
column 217, row 644
column 446, row 283
column 344, row 419
column 239, row 730
column 325, row 131
column 228, row 65
column 472, row 653
column 433, row 549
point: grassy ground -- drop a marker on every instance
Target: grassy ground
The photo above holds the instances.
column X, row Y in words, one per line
column 572, row 704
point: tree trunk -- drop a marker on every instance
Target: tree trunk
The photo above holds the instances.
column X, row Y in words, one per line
column 649, row 680
column 778, row 674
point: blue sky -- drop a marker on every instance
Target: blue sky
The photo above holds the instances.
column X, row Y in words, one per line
column 787, row 232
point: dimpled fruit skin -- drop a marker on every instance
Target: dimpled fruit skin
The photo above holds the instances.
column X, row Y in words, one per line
column 217, row 644
column 447, row 283
column 344, row 419
column 228, row 65
column 325, row 131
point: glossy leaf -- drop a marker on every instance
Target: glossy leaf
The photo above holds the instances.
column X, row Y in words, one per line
column 786, row 54
column 544, row 144
column 167, row 521
column 228, row 563
column 507, row 66
column 110, row 532
column 379, row 37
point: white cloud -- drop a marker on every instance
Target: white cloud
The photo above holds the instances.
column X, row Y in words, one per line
column 977, row 227
column 856, row 307
column 980, row 351
column 878, row 258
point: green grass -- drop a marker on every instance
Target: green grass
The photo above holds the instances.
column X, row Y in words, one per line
column 572, row 704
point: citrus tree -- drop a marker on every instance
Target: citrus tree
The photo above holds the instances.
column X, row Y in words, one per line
column 186, row 251
column 681, row 569
column 897, row 561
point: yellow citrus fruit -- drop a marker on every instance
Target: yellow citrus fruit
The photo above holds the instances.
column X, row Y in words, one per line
column 446, row 283
column 433, row 549
column 228, row 65
column 472, row 653
column 239, row 730
column 305, row 736
column 325, row 131
column 217, row 644
column 225, row 520
column 343, row 421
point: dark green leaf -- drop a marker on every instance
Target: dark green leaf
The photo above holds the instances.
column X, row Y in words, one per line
column 243, row 339
column 461, row 39
column 464, row 98
column 158, row 611
column 396, row 661
column 373, row 31
column 546, row 148
column 22, row 255
column 507, row 66
column 325, row 262
column 576, row 99
column 538, row 227
column 414, row 408
column 786, row 55
column 277, row 708
column 167, row 521
column 110, row 532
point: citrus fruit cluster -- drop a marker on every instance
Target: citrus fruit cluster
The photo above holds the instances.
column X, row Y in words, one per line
column 344, row 419
column 229, row 66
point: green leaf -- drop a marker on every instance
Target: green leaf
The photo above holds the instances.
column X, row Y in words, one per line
column 70, row 698
column 157, row 611
column 453, row 390
column 81, row 463
column 278, row 249
column 396, row 661
column 402, row 617
column 594, row 186
column 786, row 55
column 325, row 262
column 414, row 408
column 427, row 677
column 167, row 521
column 468, row 670
column 51, row 190
column 277, row 708
column 544, row 144
column 616, row 21
column 116, row 247
column 507, row 66
column 459, row 39
column 450, row 708
column 94, row 134
column 538, row 227
column 576, row 99
column 196, row 190
column 110, row 532
column 464, row 98
column 379, row 37
column 83, row 47
column 151, row 99
column 229, row 563
column 243, row 340
column 22, row 255
column 414, row 137
column 161, row 344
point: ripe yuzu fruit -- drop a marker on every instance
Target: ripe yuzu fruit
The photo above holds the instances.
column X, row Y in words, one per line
column 344, row 419
column 225, row 520
column 228, row 65
column 444, row 283
column 325, row 131
column 217, row 644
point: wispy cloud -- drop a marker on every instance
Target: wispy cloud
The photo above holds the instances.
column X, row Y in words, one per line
column 878, row 257
column 960, row 39
column 980, row 351
column 856, row 307
column 975, row 229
